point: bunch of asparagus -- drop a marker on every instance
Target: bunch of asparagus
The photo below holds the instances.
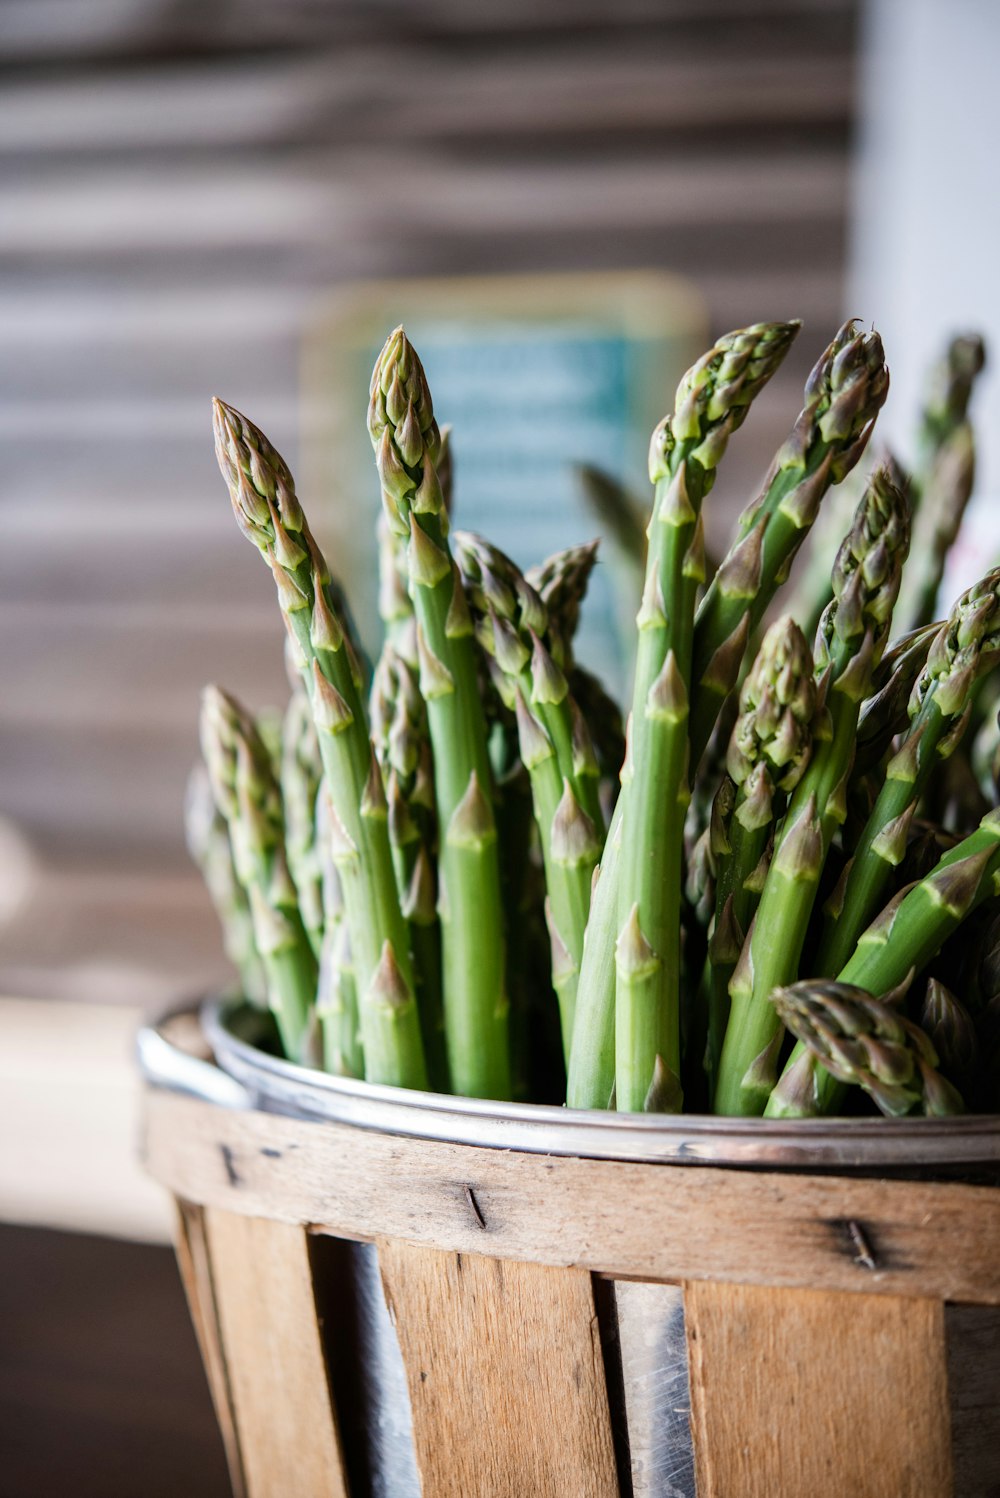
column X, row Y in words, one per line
column 456, row 871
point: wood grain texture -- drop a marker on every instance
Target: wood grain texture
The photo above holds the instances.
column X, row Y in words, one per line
column 191, row 1246
column 506, row 1376
column 789, row 1388
column 683, row 1222
column 270, row 1335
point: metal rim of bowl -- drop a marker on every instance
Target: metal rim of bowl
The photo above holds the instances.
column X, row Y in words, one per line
column 280, row 1086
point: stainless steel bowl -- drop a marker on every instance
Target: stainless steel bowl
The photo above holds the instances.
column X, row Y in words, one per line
column 234, row 1031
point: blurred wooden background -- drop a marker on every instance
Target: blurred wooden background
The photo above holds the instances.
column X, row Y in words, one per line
column 179, row 181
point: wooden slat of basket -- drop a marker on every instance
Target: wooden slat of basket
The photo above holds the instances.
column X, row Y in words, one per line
column 681, row 1223
column 786, row 1390
column 191, row 1246
column 285, row 1419
column 506, row 1375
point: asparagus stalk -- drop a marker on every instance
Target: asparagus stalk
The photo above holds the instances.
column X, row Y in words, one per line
column 603, row 718
column 945, row 408
column 712, row 401
column 952, row 1032
column 525, row 646
column 899, row 942
column 945, row 496
column 768, row 754
column 512, row 623
column 407, row 446
column 301, row 772
column 865, row 1043
column 561, row 584
column 966, row 646
column 885, row 713
column 590, row 1081
column 248, row 796
column 210, row 848
column 394, row 602
column 402, row 746
column 336, row 990
column 849, row 643
column 843, row 396
column 269, row 514
column 943, row 473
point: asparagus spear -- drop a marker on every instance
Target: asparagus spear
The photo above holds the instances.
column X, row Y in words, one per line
column 247, row 794
column 210, row 848
column 952, row 1032
column 603, row 718
column 899, row 942
column 966, row 646
column 946, row 405
column 269, row 514
column 301, row 772
column 768, row 754
column 946, row 494
column 885, row 713
column 336, row 989
column 394, row 602
column 849, row 643
column 407, row 446
column 865, row 1043
column 942, row 478
column 843, row 396
column 512, row 623
column 561, row 584
column 525, row 646
column 713, row 399
column 402, row 745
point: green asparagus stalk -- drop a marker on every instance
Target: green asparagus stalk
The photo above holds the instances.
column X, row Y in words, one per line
column 402, row 746
column 269, row 514
column 945, row 496
column 336, row 990
column 952, row 1032
column 210, row 848
column 942, row 478
column 301, row 772
column 811, row 592
column 603, row 718
column 862, row 1042
column 512, row 624
column 561, row 584
column 407, row 446
column 394, row 602
column 712, row 401
column 525, row 645
column 248, row 796
column 590, row 1081
column 885, row 713
column 966, row 646
column 769, row 752
column 849, row 643
column 945, row 408
column 843, row 396
column 899, row 942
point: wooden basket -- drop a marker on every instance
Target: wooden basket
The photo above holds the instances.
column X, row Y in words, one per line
column 552, row 1312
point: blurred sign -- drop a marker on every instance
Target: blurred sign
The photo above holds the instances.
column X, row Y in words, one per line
column 535, row 374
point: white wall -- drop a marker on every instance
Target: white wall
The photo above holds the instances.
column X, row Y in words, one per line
column 925, row 248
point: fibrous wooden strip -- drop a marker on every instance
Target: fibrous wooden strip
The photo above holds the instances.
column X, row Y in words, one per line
column 270, row 1336
column 683, row 1222
column 191, row 1248
column 506, row 1376
column 804, row 1391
